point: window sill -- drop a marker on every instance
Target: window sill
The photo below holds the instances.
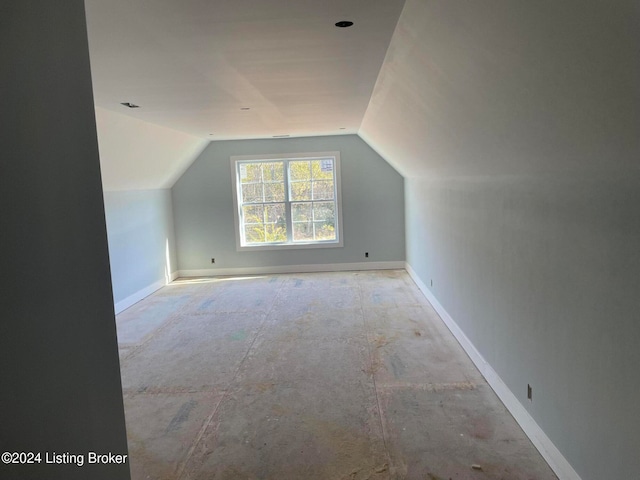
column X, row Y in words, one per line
column 287, row 246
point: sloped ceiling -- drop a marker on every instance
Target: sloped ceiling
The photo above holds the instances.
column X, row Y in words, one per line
column 501, row 87
column 196, row 65
column 226, row 69
column 137, row 155
column 437, row 87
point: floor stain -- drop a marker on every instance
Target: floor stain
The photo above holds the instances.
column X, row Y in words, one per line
column 375, row 366
column 481, row 428
column 278, row 410
column 398, row 366
column 382, row 469
column 181, row 416
column 205, row 304
column 380, row 341
column 238, row 336
column 264, row 387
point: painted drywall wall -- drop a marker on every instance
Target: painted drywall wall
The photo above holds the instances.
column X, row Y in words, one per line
column 515, row 124
column 498, row 87
column 59, row 369
column 141, row 243
column 138, row 155
column 372, row 207
column 541, row 273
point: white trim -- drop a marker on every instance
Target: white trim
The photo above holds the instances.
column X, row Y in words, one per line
column 545, row 446
column 321, row 267
column 142, row 293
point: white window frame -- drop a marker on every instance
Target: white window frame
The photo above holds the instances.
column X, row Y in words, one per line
column 237, row 160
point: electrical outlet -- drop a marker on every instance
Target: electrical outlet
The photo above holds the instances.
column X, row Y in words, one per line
column 213, row 260
column 366, row 254
column 529, row 393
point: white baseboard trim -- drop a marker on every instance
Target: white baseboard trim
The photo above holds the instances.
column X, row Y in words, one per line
column 545, row 446
column 143, row 293
column 324, row 267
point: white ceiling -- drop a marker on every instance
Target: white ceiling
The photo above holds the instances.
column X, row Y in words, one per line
column 435, row 87
column 193, row 65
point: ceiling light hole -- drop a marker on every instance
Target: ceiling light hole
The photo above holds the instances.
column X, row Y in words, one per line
column 344, row 24
column 245, row 108
column 130, row 105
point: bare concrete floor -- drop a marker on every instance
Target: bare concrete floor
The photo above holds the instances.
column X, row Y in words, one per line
column 345, row 376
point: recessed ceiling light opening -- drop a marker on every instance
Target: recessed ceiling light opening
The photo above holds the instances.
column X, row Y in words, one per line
column 344, row 24
column 245, row 108
column 130, row 105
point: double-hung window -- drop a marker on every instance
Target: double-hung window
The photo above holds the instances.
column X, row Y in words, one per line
column 287, row 201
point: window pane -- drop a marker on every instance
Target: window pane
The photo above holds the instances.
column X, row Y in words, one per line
column 274, row 192
column 250, row 173
column 301, row 212
column 252, row 193
column 299, row 170
column 324, row 211
column 322, row 169
column 302, row 231
column 265, row 223
column 325, row 231
column 300, row 191
column 253, row 214
column 275, row 214
column 322, row 190
column 275, row 233
column 265, row 233
column 254, row 233
column 273, row 172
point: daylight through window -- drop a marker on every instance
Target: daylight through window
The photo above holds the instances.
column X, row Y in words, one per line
column 287, row 201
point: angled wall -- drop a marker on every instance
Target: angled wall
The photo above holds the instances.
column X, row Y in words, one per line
column 515, row 125
column 140, row 162
column 372, row 209
column 59, row 369
column 141, row 238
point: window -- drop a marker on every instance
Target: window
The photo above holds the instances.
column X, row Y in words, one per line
column 287, row 201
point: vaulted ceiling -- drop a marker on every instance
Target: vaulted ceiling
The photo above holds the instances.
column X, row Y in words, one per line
column 237, row 69
column 436, row 87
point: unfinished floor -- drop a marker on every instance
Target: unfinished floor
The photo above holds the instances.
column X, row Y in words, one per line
column 321, row 376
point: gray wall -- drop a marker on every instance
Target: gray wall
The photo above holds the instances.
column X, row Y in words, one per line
column 516, row 126
column 141, row 240
column 541, row 273
column 59, row 372
column 372, row 207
